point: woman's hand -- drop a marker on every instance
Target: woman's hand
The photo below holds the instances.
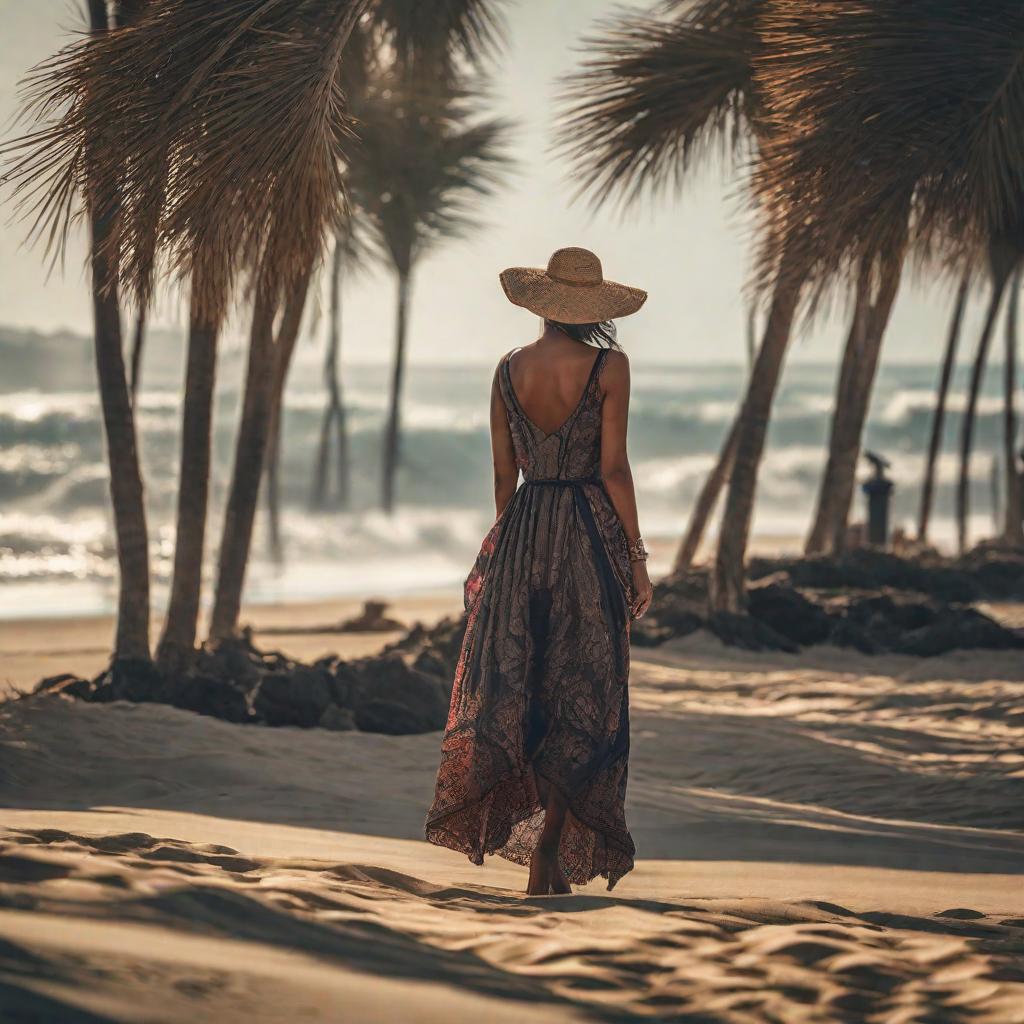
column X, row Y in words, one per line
column 642, row 589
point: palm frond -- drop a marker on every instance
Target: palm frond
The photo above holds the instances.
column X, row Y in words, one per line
column 876, row 110
column 223, row 125
column 419, row 166
column 654, row 94
column 431, row 38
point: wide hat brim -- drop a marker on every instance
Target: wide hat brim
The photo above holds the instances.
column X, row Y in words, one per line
column 533, row 289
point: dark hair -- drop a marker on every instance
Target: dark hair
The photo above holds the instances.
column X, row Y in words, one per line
column 602, row 335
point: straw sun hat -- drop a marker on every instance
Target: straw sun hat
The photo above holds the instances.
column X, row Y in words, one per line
column 572, row 290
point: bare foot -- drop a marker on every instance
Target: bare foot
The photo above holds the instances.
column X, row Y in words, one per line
column 559, row 883
column 541, row 870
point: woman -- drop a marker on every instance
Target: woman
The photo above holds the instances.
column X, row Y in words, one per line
column 534, row 757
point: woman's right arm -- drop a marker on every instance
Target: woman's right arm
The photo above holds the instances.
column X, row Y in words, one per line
column 615, row 470
column 506, row 472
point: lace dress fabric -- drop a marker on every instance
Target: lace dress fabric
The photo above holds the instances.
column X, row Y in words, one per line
column 541, row 683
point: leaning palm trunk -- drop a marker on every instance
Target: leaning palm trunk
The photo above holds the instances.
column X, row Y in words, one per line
column 263, row 389
column 272, row 491
column 1013, row 527
column 1000, row 276
column 138, row 340
column 705, row 503
column 704, row 506
column 819, row 539
column 939, row 416
column 287, row 336
column 126, row 490
column 250, row 448
column 392, row 434
column 856, row 382
column 334, row 413
column 177, row 642
column 727, row 591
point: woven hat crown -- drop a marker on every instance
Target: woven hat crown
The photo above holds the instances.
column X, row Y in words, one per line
column 572, row 290
column 573, row 265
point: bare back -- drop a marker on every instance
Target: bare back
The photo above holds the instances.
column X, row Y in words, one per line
column 549, row 378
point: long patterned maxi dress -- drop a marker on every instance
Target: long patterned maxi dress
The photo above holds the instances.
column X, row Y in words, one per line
column 541, row 683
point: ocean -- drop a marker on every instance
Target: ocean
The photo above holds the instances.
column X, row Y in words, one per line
column 56, row 545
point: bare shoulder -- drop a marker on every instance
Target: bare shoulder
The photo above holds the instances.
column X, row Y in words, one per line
column 501, row 362
column 615, row 372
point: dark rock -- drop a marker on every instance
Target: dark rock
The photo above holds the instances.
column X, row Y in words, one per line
column 235, row 659
column 647, row 633
column 847, row 633
column 213, row 696
column 958, row 629
column 72, row 685
column 790, row 614
column 344, row 683
column 130, row 680
column 337, row 719
column 396, row 699
column 434, row 651
column 749, row 633
column 431, row 662
column 298, row 697
column 394, row 718
column 372, row 619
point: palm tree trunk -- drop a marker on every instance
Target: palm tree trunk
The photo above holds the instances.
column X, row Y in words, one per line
column 1000, row 275
column 250, row 449
column 287, row 337
column 137, row 343
column 818, row 541
column 727, row 591
column 392, row 434
column 939, row 415
column 334, row 412
column 126, row 489
column 177, row 642
column 751, row 335
column 860, row 366
column 705, row 503
column 1013, row 527
column 263, row 387
column 272, row 492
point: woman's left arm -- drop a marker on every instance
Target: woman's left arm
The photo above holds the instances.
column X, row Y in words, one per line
column 506, row 472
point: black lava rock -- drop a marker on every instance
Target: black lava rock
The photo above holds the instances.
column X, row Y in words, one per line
column 299, row 697
column 213, row 696
column 790, row 614
column 396, row 699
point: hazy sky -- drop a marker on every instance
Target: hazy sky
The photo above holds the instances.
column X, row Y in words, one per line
column 689, row 253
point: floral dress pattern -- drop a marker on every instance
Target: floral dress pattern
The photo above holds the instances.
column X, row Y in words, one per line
column 541, row 686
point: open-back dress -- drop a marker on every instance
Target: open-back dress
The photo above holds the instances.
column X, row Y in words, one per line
column 541, row 683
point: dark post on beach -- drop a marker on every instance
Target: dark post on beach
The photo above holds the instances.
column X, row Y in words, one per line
column 878, row 489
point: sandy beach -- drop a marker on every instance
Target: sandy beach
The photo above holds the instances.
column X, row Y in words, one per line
column 821, row 837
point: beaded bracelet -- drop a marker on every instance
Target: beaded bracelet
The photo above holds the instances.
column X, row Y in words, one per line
column 637, row 551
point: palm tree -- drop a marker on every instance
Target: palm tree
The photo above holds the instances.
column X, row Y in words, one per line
column 333, row 423
column 52, row 168
column 1013, row 522
column 655, row 96
column 220, row 173
column 1002, row 264
column 287, row 337
column 417, row 168
column 872, row 118
column 397, row 26
column 939, row 414
column 872, row 305
column 222, row 126
column 177, row 641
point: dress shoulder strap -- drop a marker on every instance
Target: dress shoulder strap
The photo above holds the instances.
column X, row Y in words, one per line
column 595, row 370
